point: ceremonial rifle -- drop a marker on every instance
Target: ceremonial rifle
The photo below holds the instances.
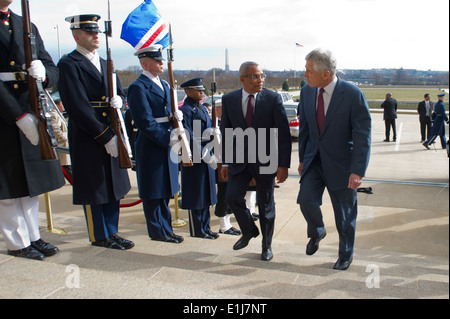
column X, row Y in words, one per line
column 186, row 155
column 215, row 125
column 38, row 99
column 116, row 115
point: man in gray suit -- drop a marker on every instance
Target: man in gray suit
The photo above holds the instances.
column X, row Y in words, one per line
column 334, row 150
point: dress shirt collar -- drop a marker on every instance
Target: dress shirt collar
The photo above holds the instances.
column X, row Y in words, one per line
column 155, row 79
column 91, row 56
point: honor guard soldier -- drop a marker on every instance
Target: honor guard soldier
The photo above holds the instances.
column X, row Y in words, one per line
column 439, row 116
column 198, row 182
column 23, row 175
column 156, row 166
column 98, row 181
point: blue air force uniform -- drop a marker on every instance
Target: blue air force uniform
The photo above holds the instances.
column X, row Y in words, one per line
column 198, row 182
column 438, row 124
column 156, row 163
column 98, row 181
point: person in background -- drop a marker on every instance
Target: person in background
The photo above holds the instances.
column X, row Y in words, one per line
column 425, row 109
column 438, row 123
column 389, row 115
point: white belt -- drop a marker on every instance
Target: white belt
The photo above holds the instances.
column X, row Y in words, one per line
column 164, row 119
column 13, row 76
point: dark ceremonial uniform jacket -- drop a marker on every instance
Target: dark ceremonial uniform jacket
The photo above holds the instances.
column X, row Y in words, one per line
column 156, row 163
column 439, row 117
column 97, row 177
column 22, row 172
column 198, row 182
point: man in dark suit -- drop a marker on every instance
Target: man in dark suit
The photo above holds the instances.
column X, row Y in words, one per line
column 98, row 181
column 254, row 119
column 156, row 163
column 334, row 150
column 23, row 175
column 425, row 109
column 389, row 107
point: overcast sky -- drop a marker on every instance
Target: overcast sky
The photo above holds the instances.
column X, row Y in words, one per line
column 363, row 34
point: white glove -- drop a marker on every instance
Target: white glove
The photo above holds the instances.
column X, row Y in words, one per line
column 116, row 102
column 37, row 70
column 28, row 125
column 213, row 162
column 178, row 115
column 112, row 148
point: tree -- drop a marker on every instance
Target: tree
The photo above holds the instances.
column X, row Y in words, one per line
column 285, row 85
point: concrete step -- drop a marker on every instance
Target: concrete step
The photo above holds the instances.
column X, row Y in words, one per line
column 201, row 268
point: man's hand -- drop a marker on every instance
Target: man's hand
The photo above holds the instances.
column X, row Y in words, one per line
column 224, row 173
column 300, row 169
column 282, row 174
column 354, row 181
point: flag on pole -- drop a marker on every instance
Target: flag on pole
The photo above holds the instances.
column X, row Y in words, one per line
column 298, row 45
column 144, row 27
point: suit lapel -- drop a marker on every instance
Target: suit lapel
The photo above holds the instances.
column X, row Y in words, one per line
column 88, row 66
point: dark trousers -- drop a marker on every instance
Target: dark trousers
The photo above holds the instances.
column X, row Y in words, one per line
column 236, row 189
column 102, row 220
column 388, row 124
column 425, row 128
column 158, row 217
column 199, row 220
column 344, row 203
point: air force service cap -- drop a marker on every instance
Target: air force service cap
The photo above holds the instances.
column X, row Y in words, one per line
column 86, row 22
column 154, row 52
column 196, row 83
column 441, row 94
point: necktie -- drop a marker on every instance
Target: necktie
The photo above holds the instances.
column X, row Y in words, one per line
column 320, row 115
column 249, row 115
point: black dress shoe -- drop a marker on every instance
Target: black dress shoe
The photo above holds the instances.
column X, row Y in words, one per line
column 206, row 236
column 177, row 237
column 313, row 244
column 426, row 145
column 343, row 264
column 231, row 231
column 212, row 234
column 243, row 242
column 267, row 254
column 27, row 252
column 125, row 243
column 107, row 243
column 167, row 240
column 45, row 248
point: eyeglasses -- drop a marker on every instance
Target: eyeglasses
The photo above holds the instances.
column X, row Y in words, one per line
column 255, row 77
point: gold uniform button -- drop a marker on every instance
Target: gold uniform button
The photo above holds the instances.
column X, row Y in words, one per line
column 105, row 114
column 16, row 86
column 103, row 98
column 12, row 63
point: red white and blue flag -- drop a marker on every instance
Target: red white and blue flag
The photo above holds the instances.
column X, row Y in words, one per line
column 144, row 27
column 298, row 45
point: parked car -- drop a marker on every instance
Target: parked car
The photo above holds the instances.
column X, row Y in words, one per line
column 293, row 121
column 217, row 100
